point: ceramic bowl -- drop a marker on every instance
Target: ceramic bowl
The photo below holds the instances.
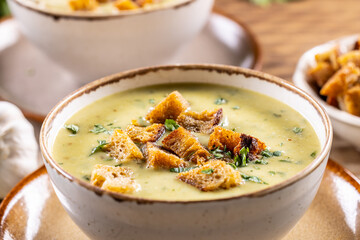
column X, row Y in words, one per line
column 92, row 46
column 345, row 125
column 266, row 214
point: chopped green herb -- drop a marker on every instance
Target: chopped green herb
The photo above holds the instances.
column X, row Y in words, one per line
column 220, row 101
column 98, row 128
column 181, row 169
column 297, row 130
column 281, row 144
column 86, row 177
column 208, row 171
column 236, row 108
column 151, row 101
column 313, row 154
column 60, row 163
column 240, row 161
column 232, row 165
column 171, row 125
column 218, row 153
column 267, row 153
column 110, row 124
column 189, row 155
column 277, row 153
column 277, row 115
column 260, row 161
column 118, row 165
column 256, row 167
column 252, row 178
column 74, row 129
column 272, row 173
column 285, row 161
column 99, row 147
column 108, row 159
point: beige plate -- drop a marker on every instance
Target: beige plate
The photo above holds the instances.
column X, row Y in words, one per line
column 34, row 83
column 32, row 210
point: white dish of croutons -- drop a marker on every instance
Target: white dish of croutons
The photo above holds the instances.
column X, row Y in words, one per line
column 330, row 73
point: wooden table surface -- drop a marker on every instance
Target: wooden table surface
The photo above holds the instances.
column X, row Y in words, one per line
column 286, row 31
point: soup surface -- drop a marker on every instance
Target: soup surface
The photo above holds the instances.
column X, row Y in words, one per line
column 291, row 142
column 99, row 6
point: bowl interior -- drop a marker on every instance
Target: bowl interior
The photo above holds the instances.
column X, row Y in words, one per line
column 216, row 74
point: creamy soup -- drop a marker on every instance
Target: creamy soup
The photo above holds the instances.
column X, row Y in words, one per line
column 291, row 142
column 99, row 7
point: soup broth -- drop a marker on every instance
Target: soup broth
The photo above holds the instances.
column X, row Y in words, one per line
column 291, row 142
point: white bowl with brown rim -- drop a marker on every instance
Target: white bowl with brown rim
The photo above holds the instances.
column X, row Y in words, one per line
column 93, row 45
column 266, row 214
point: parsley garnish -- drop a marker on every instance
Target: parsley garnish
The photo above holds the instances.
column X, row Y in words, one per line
column 118, row 165
column 297, row 130
column 86, row 177
column 313, row 154
column 267, row 153
column 232, row 165
column 152, row 101
column 72, row 128
column 207, row 171
column 240, row 161
column 252, row 179
column 98, row 128
column 220, row 101
column 272, row 173
column 171, row 125
column 285, row 161
column 98, row 148
column 236, row 108
column 181, row 169
column 218, row 153
column 260, row 161
column 277, row 115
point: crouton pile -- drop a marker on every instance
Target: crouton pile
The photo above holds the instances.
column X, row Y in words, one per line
column 89, row 5
column 338, row 78
column 169, row 143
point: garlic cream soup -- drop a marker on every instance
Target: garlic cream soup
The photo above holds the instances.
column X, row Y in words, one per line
column 291, row 141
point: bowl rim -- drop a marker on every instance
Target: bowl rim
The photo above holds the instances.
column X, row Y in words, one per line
column 91, row 17
column 248, row 73
column 300, row 79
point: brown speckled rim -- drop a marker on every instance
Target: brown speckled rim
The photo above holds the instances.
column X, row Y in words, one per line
column 256, row 64
column 88, row 17
column 230, row 70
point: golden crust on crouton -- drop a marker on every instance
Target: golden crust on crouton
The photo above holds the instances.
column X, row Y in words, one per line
column 321, row 73
column 145, row 134
column 86, row 5
column 352, row 56
column 255, row 146
column 352, row 100
column 125, row 5
column 222, row 137
column 341, row 80
column 168, row 108
column 203, row 122
column 116, row 179
column 122, row 147
column 185, row 145
column 158, row 158
column 211, row 176
column 329, row 57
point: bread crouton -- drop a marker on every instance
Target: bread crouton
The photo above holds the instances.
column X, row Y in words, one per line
column 116, row 179
column 85, row 5
column 122, row 147
column 145, row 134
column 352, row 100
column 203, row 122
column 158, row 158
column 222, row 137
column 255, row 146
column 352, row 56
column 168, row 108
column 211, row 176
column 185, row 145
column 321, row 73
column 125, row 5
column 339, row 82
column 329, row 57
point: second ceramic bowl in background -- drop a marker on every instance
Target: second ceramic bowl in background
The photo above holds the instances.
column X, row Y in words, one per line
column 92, row 46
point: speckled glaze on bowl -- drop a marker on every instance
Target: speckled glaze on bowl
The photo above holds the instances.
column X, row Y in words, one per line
column 91, row 46
column 265, row 214
column 345, row 125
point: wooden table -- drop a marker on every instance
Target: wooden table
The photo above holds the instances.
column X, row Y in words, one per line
column 286, row 31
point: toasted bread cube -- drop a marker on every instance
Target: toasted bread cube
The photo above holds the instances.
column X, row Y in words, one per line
column 211, row 176
column 143, row 3
column 158, row 158
column 145, row 134
column 255, row 146
column 339, row 82
column 222, row 137
column 168, row 108
column 85, row 5
column 321, row 73
column 185, row 145
column 116, row 179
column 329, row 57
column 352, row 56
column 352, row 100
column 122, row 147
column 125, row 5
column 203, row 122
